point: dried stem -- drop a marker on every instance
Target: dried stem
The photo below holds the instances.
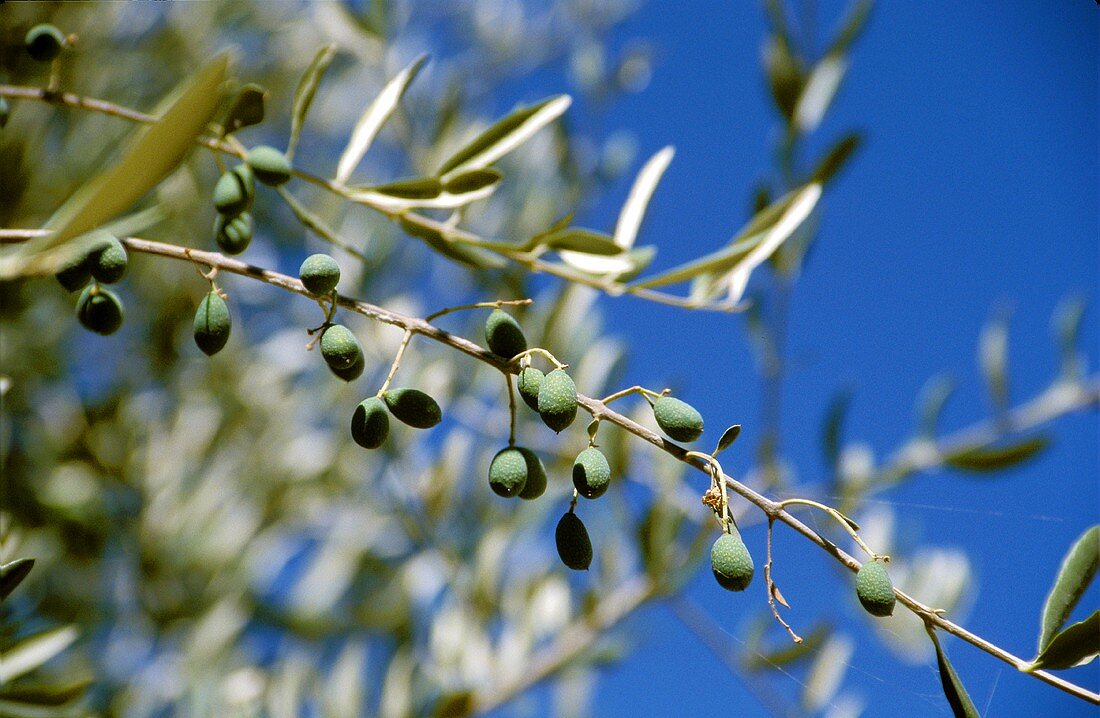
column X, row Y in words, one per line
column 772, row 590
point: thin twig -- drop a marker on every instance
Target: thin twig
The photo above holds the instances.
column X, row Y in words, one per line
column 772, row 589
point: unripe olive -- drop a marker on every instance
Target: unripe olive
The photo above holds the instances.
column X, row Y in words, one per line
column 99, row 310
column 874, row 589
column 678, row 419
column 574, row 546
column 319, row 273
column 270, row 165
column 558, row 400
column 536, row 475
column 233, row 234
column 370, row 424
column 212, row 324
column 731, row 563
column 339, row 347
column 413, row 407
column 529, row 382
column 44, row 42
column 591, row 473
column 108, row 262
column 234, row 191
column 352, row 372
column 76, row 273
column 503, row 335
column 508, row 472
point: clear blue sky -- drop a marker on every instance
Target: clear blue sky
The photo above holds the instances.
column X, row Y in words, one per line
column 976, row 190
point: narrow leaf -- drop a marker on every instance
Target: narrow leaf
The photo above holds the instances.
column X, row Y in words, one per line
column 247, row 109
column 762, row 658
column 506, row 135
column 473, row 181
column 33, row 652
column 819, row 91
column 1066, row 324
column 630, row 216
column 578, row 239
column 1077, row 645
column 983, row 459
column 303, row 94
column 832, row 427
column 933, row 396
column 728, row 437
column 372, row 119
column 12, row 574
column 993, row 359
column 953, row 689
column 155, row 152
column 837, row 157
column 415, row 227
column 784, row 77
column 415, row 188
column 752, row 245
column 852, row 26
column 1078, row 568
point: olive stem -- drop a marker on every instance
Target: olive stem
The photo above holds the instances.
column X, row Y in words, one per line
column 537, row 350
column 396, row 362
column 840, row 518
column 479, row 305
column 511, row 410
column 636, row 389
column 772, row 589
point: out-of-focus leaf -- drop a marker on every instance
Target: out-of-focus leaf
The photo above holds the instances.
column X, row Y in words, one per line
column 752, row 245
column 247, row 109
column 837, row 157
column 504, row 136
column 953, row 689
column 851, row 27
column 763, row 658
column 1078, row 568
column 578, row 239
column 818, row 92
column 434, row 238
column 933, row 396
column 415, row 188
column 832, row 427
column 13, row 573
column 982, row 459
column 32, row 652
column 1066, row 324
column 993, row 359
column 370, row 122
column 303, row 94
column 42, row 696
column 344, row 686
column 784, row 77
column 454, row 705
column 157, row 150
column 633, row 210
column 473, row 181
column 728, row 437
column 1075, row 646
column 657, row 533
column 827, row 672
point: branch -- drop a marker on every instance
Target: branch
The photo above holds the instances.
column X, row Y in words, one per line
column 634, row 593
column 528, row 260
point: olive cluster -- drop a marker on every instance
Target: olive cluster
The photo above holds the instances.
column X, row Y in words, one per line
column 235, row 191
column 98, row 308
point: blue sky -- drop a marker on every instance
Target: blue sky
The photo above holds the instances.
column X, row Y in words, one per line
column 975, row 192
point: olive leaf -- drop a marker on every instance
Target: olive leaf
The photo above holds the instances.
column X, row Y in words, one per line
column 429, row 192
column 983, row 459
column 630, row 219
column 1075, row 646
column 728, row 437
column 504, row 136
column 473, row 181
column 953, row 689
column 933, row 396
column 370, row 122
column 155, row 151
column 832, row 426
column 851, row 27
column 578, row 239
column 837, row 157
column 12, row 574
column 818, row 92
column 303, row 94
column 760, row 237
column 415, row 188
column 421, row 229
column 1078, row 568
column 32, row 652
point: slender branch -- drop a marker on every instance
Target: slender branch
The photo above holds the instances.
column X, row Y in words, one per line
column 774, row 510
